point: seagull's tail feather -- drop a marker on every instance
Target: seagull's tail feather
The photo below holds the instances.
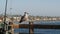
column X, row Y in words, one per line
column 20, row 21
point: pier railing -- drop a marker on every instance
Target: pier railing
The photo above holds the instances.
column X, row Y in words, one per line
column 31, row 27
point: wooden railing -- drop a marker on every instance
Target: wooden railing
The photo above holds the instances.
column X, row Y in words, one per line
column 31, row 27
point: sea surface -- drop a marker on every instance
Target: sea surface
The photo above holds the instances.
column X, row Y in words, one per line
column 40, row 31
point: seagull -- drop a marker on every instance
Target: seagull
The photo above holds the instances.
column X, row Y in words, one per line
column 24, row 17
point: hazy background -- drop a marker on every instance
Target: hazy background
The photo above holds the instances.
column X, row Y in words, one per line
column 34, row 7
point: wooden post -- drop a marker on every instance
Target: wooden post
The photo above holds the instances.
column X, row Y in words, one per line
column 31, row 29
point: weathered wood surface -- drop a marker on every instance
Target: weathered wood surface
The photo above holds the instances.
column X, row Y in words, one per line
column 39, row 26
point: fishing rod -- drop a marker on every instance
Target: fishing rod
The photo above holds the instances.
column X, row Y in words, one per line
column 5, row 27
column 5, row 12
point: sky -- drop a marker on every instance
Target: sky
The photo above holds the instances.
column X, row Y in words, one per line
column 33, row 7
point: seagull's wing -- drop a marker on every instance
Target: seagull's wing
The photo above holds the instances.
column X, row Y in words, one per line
column 21, row 19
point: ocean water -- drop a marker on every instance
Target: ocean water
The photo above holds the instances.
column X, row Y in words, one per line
column 40, row 31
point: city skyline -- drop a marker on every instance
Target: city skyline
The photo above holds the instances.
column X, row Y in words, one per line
column 34, row 7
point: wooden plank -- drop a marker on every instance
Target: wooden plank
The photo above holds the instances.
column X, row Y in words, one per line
column 40, row 26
